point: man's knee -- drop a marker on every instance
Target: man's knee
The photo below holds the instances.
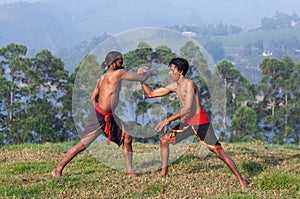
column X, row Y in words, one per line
column 127, row 139
column 164, row 141
column 127, row 143
column 88, row 138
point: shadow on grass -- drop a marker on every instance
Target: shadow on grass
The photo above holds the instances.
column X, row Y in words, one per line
column 252, row 168
column 194, row 164
column 267, row 160
column 257, row 162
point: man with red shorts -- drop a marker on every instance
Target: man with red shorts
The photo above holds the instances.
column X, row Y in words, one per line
column 104, row 99
column 194, row 119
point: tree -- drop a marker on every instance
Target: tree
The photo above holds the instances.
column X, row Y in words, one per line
column 294, row 106
column 15, row 88
column 275, row 88
column 288, row 67
column 32, row 87
column 138, row 57
column 164, row 54
column 229, row 75
column 244, row 126
column 141, row 105
column 48, row 77
column 270, row 73
column 87, row 73
column 4, row 92
column 69, row 129
column 196, row 58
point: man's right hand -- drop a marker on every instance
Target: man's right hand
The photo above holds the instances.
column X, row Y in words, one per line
column 141, row 70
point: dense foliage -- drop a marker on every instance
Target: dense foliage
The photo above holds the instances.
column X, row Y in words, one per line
column 37, row 95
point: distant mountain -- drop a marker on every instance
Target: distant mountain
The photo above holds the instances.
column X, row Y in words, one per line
column 56, row 24
column 37, row 25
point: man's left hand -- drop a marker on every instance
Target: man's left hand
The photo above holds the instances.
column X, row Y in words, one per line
column 161, row 125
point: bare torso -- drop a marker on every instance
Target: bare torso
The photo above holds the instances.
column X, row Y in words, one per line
column 191, row 102
column 109, row 86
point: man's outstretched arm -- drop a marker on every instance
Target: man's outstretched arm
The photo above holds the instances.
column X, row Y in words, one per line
column 156, row 93
column 141, row 76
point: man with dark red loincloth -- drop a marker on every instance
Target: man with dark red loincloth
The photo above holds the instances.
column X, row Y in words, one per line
column 105, row 98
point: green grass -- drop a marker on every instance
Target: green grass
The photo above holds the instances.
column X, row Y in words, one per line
column 272, row 171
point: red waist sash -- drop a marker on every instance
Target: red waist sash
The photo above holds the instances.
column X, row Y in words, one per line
column 107, row 116
column 199, row 118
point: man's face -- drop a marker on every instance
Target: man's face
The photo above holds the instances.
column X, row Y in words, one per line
column 119, row 63
column 174, row 73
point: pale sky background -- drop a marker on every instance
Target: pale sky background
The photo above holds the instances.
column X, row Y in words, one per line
column 184, row 11
column 94, row 17
column 14, row 1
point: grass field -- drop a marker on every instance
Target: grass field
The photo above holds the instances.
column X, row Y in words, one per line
column 272, row 172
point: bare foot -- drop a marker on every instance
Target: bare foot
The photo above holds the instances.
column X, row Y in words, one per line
column 56, row 173
column 244, row 185
column 131, row 174
column 164, row 171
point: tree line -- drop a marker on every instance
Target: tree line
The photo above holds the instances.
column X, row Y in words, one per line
column 37, row 95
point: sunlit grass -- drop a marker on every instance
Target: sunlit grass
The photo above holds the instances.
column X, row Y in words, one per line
column 271, row 170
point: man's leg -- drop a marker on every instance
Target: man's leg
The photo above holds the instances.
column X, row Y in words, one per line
column 85, row 141
column 164, row 152
column 128, row 153
column 230, row 163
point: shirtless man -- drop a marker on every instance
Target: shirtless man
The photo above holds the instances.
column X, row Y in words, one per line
column 105, row 98
column 194, row 120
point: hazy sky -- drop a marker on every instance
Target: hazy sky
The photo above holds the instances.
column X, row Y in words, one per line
column 13, row 1
column 246, row 14
column 89, row 18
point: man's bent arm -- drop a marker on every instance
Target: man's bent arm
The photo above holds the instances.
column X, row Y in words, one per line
column 94, row 94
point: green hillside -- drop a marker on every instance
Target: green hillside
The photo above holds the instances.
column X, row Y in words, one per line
column 252, row 36
column 246, row 49
column 240, row 40
column 272, row 171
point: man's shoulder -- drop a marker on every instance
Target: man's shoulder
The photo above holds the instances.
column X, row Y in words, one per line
column 191, row 82
column 116, row 73
column 120, row 72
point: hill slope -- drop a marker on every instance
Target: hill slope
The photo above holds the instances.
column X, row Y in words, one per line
column 272, row 171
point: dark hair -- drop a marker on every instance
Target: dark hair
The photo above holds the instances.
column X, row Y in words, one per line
column 181, row 64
